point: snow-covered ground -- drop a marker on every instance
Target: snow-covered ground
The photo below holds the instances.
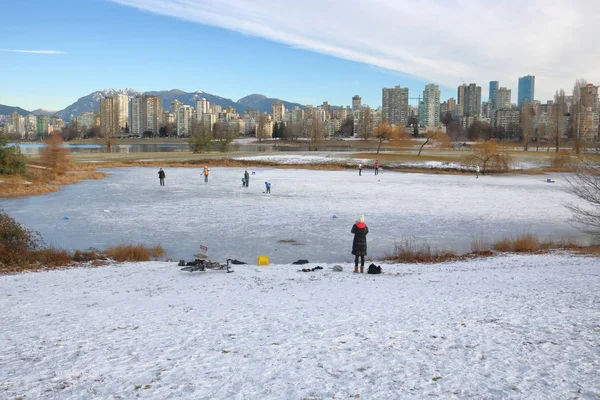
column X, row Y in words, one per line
column 346, row 159
column 511, row 327
column 316, row 209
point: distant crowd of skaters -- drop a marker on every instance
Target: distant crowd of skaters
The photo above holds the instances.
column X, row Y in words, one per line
column 246, row 178
column 206, row 171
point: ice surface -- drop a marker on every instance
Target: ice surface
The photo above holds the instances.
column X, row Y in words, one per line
column 515, row 327
column 449, row 211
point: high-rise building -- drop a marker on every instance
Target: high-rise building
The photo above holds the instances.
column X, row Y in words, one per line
column 451, row 104
column 429, row 113
column 395, row 105
column 107, row 116
column 356, row 103
column 135, row 126
column 120, row 112
column 588, row 112
column 151, row 114
column 493, row 87
column 278, row 111
column 184, row 120
column 42, row 125
column 175, row 104
column 86, row 121
column 502, row 99
column 202, row 107
column 526, row 89
column 469, row 98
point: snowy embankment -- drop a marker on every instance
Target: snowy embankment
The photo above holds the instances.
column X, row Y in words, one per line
column 300, row 159
column 525, row 327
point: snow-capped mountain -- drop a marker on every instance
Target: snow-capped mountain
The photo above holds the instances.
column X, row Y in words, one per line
column 91, row 102
column 263, row 103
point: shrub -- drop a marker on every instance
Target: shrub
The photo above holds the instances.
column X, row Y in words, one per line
column 561, row 159
column 409, row 251
column 16, row 241
column 526, row 244
column 131, row 252
column 505, row 245
column 51, row 257
column 90, row 255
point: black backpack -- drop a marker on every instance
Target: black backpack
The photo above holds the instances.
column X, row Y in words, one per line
column 374, row 269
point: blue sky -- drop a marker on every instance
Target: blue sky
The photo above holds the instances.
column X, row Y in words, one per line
column 306, row 52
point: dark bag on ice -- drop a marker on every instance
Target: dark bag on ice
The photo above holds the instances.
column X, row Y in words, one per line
column 300, row 262
column 374, row 269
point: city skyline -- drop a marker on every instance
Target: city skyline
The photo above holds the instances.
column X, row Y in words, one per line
column 230, row 50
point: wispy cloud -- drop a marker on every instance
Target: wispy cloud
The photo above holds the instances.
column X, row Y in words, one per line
column 443, row 41
column 33, row 51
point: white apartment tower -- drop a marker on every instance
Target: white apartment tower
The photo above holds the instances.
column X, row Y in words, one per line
column 151, row 114
column 429, row 113
column 135, row 126
column 395, row 105
column 184, row 120
column 120, row 112
column 202, row 107
column 278, row 111
column 107, row 116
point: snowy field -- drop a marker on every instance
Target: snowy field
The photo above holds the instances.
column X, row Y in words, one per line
column 514, row 327
column 316, row 209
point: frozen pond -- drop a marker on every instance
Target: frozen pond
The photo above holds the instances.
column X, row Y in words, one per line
column 316, row 209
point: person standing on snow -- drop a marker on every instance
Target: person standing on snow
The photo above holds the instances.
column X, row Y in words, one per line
column 376, row 165
column 205, row 173
column 161, row 177
column 246, row 178
column 359, row 169
column 477, row 172
column 359, row 244
column 268, row 187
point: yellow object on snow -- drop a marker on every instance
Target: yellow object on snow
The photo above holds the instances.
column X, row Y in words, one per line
column 263, row 261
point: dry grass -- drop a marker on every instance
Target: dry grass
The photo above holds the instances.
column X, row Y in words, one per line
column 38, row 181
column 131, row 252
column 410, row 251
column 529, row 243
column 526, row 244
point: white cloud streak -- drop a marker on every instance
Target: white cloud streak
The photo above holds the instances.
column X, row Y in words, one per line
column 33, row 51
column 442, row 41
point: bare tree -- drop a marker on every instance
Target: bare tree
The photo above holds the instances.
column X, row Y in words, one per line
column 201, row 137
column 55, row 156
column 585, row 184
column 261, row 128
column 526, row 121
column 364, row 123
column 223, row 135
column 558, row 116
column 385, row 131
column 489, row 155
column 316, row 133
column 576, row 112
column 435, row 136
column 292, row 131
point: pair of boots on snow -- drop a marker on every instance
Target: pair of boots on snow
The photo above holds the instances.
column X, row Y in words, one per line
column 362, row 269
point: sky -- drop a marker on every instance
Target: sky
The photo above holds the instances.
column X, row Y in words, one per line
column 54, row 52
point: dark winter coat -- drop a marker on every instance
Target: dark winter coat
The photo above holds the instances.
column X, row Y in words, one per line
column 161, row 174
column 359, row 245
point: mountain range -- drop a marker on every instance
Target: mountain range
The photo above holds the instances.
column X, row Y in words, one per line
column 91, row 102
